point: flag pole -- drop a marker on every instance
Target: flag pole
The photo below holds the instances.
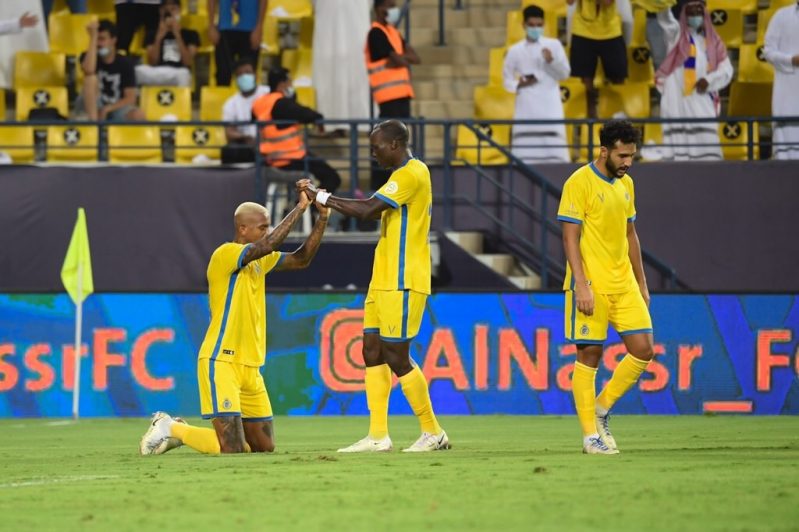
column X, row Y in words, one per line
column 78, row 328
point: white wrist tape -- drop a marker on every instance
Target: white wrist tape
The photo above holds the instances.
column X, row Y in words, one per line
column 322, row 196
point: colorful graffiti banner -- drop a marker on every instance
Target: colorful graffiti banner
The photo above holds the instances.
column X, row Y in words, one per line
column 482, row 353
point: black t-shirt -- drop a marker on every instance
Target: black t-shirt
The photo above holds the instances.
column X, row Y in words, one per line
column 289, row 109
column 114, row 77
column 169, row 55
column 379, row 47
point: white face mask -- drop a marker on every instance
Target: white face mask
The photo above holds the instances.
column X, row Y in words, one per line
column 103, row 51
column 393, row 15
column 289, row 92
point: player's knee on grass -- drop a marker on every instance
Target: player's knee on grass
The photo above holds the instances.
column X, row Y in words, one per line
column 259, row 436
column 230, row 433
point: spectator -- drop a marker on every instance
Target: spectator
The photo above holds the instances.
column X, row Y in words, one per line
column 75, row 6
column 109, row 82
column 237, row 35
column 238, row 108
column 170, row 50
column 283, row 145
column 16, row 25
column 533, row 67
column 388, row 58
column 782, row 51
column 689, row 79
column 133, row 14
column 596, row 33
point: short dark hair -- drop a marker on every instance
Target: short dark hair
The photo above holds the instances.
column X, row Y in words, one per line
column 393, row 130
column 532, row 11
column 167, row 2
column 618, row 130
column 243, row 61
column 107, row 25
column 277, row 75
column 379, row 3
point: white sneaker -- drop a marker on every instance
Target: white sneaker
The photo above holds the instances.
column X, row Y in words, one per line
column 429, row 442
column 594, row 445
column 158, row 433
column 369, row 445
column 603, row 428
column 171, row 442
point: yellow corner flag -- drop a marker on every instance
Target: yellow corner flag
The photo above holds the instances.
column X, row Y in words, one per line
column 76, row 273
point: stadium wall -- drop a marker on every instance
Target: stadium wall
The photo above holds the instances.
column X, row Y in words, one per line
column 483, row 353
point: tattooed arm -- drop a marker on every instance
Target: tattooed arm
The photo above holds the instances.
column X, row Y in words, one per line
column 271, row 241
column 304, row 254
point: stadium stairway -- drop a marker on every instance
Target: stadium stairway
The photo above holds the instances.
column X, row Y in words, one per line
column 502, row 263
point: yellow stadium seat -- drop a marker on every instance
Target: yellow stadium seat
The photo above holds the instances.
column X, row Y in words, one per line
column 580, row 141
column 558, row 7
column 137, row 43
column 306, row 96
column 211, row 101
column 482, row 153
column 747, row 7
column 199, row 23
column 191, row 141
column 100, row 7
column 493, row 103
column 305, row 37
column 270, row 42
column 752, row 64
column 734, row 137
column 134, row 144
column 37, row 69
column 159, row 102
column 640, row 68
column 763, row 18
column 72, row 143
column 728, row 22
column 2, row 105
column 17, row 143
column 496, row 61
column 749, row 99
column 639, row 27
column 572, row 94
column 631, row 99
column 68, row 33
column 652, row 137
column 290, row 9
column 39, row 97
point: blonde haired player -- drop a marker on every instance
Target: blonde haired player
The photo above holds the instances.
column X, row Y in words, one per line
column 232, row 391
column 605, row 282
column 400, row 285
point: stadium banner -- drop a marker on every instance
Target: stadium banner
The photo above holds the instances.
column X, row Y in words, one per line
column 483, row 354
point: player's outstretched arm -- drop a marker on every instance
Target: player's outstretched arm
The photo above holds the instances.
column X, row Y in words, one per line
column 304, row 254
column 362, row 209
column 271, row 241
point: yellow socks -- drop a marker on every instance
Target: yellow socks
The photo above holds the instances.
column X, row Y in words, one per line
column 200, row 439
column 414, row 386
column 626, row 374
column 378, row 390
column 584, row 391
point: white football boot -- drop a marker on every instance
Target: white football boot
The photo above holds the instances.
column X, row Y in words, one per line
column 369, row 445
column 171, row 442
column 158, row 433
column 603, row 428
column 429, row 442
column 594, row 445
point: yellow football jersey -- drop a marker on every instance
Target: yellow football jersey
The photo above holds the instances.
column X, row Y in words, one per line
column 237, row 298
column 402, row 257
column 603, row 207
column 593, row 20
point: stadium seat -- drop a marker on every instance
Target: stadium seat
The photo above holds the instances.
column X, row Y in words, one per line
column 734, row 137
column 640, row 68
column 469, row 150
column 191, row 141
column 496, row 60
column 579, row 143
column 632, row 99
column 306, row 96
column 652, row 137
column 134, row 144
column 160, row 102
column 199, row 23
column 72, row 143
column 17, row 143
column 639, row 27
column 137, row 43
column 212, row 99
column 100, row 7
column 747, row 7
column 68, row 33
column 752, row 65
column 299, row 62
column 270, row 42
column 763, row 18
column 39, row 69
column 493, row 103
column 290, row 9
column 305, row 36
column 749, row 99
column 2, row 105
column 39, row 97
column 728, row 22
column 572, row 94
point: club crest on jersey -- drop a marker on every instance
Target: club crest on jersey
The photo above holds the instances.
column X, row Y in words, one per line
column 391, row 187
column 226, row 404
column 584, row 330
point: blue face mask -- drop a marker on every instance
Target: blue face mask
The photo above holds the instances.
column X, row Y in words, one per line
column 393, row 15
column 534, row 32
column 696, row 21
column 246, row 82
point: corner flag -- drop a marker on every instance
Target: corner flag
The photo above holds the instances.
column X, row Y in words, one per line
column 76, row 274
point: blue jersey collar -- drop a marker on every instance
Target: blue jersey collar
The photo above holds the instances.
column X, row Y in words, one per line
column 599, row 174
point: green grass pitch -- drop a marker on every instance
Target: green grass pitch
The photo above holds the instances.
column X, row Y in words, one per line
column 503, row 473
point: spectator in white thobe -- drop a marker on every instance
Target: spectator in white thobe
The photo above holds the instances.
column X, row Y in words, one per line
column 532, row 70
column 782, row 51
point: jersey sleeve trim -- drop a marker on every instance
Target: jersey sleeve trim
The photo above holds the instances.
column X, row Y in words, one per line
column 241, row 256
column 279, row 260
column 391, row 202
column 569, row 219
column 632, row 218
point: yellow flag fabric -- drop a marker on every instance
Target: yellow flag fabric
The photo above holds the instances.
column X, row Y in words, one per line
column 78, row 259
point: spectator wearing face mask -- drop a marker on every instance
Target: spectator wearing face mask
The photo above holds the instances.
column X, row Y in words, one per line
column 170, row 50
column 283, row 145
column 532, row 70
column 238, row 108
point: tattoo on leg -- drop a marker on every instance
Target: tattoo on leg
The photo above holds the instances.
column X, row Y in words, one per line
column 231, row 438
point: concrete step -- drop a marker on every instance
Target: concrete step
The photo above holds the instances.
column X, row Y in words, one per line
column 456, row 55
column 446, row 89
column 470, row 241
column 502, row 263
column 427, row 17
column 467, row 4
column 443, row 109
column 525, row 282
column 489, row 37
column 477, row 73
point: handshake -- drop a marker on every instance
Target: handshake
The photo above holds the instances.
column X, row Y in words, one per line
column 308, row 192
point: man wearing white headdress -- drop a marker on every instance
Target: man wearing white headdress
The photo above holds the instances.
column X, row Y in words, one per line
column 782, row 51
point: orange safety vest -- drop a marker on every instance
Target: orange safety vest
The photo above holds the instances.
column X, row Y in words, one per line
column 388, row 83
column 279, row 146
